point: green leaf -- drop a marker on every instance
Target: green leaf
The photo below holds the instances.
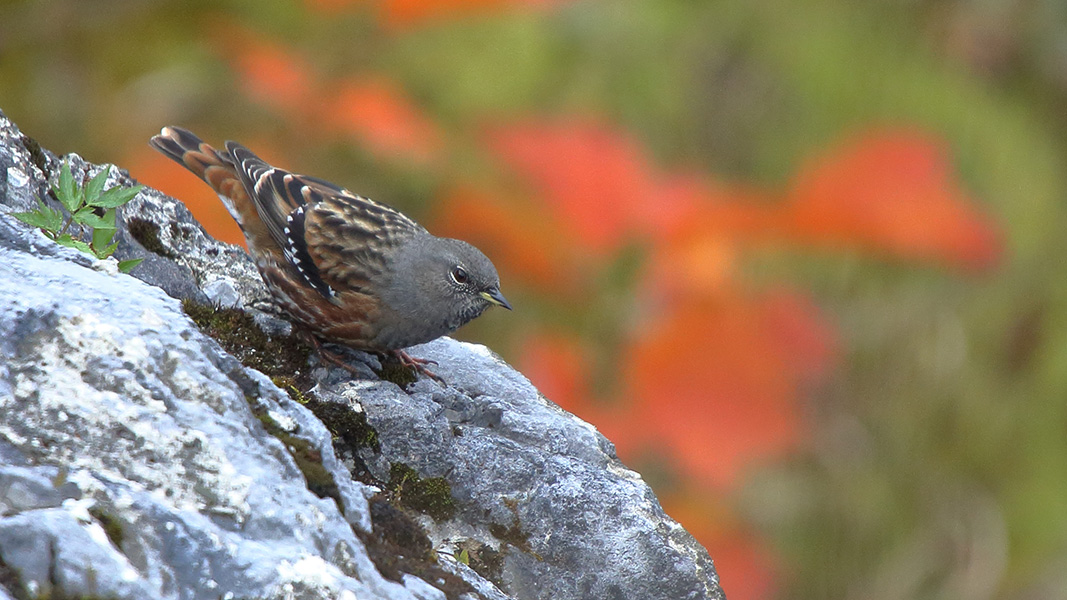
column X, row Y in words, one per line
column 127, row 265
column 44, row 217
column 86, row 216
column 96, row 186
column 32, row 218
column 108, row 251
column 102, row 236
column 67, row 192
column 81, row 214
column 116, row 196
column 55, row 218
column 69, row 242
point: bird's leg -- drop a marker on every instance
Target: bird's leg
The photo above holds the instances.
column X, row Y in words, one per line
column 331, row 357
column 419, row 365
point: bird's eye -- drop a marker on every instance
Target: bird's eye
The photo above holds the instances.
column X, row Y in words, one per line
column 459, row 275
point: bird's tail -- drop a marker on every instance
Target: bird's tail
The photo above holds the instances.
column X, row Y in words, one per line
column 183, row 147
column 215, row 168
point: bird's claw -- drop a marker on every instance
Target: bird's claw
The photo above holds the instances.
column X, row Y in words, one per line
column 419, row 365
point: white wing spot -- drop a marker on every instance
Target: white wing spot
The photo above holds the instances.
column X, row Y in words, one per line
column 290, row 252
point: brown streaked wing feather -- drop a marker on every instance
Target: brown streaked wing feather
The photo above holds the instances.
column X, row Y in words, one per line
column 333, row 238
column 346, row 236
column 266, row 187
column 352, row 321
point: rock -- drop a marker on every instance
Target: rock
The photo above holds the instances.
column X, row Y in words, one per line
column 140, row 459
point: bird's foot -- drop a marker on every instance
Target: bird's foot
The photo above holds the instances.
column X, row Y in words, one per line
column 333, row 358
column 419, row 365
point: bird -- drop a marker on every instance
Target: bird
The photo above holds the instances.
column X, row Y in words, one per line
column 350, row 270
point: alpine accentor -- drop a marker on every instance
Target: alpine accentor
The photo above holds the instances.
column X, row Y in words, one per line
column 351, row 270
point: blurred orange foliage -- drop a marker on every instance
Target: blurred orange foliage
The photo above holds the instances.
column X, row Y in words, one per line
column 370, row 110
column 406, row 14
column 591, row 177
column 270, row 73
column 891, row 192
column 722, row 372
column 377, row 114
column 563, row 363
column 713, row 372
column 746, row 567
column 708, row 363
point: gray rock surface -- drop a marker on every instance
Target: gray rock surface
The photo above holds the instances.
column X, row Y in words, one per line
column 138, row 459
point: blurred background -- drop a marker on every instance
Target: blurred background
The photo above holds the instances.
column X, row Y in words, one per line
column 802, row 262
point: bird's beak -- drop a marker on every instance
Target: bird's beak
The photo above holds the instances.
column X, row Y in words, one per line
column 494, row 296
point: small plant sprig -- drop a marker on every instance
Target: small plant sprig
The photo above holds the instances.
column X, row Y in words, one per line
column 83, row 204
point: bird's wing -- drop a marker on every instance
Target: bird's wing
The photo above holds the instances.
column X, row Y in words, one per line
column 334, row 238
column 270, row 188
column 348, row 238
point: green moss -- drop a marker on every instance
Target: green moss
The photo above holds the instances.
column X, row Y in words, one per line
column 347, row 425
column 396, row 372
column 288, row 384
column 513, row 534
column 431, row 496
column 239, row 335
column 147, row 234
column 398, row 545
column 483, row 559
column 308, row 458
column 111, row 524
column 36, row 154
column 283, row 359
